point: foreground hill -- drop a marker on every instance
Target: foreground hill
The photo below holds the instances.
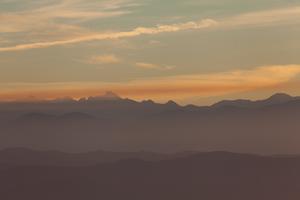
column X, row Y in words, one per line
column 213, row 176
column 269, row 126
column 28, row 157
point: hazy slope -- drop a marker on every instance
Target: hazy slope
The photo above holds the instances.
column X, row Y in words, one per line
column 213, row 176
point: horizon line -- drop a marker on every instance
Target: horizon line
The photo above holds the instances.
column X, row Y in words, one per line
column 117, row 97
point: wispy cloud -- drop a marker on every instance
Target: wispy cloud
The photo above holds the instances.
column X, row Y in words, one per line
column 163, row 88
column 289, row 15
column 144, row 65
column 116, row 35
column 57, row 20
column 14, row 22
column 74, row 10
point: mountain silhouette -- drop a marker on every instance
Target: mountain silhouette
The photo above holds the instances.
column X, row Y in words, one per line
column 267, row 126
column 28, row 157
column 65, row 116
column 108, row 96
column 275, row 99
column 280, row 97
column 76, row 116
column 211, row 175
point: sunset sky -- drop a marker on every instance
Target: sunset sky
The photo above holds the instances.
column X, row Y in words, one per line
column 192, row 51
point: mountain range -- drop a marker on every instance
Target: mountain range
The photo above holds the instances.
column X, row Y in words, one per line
column 113, row 123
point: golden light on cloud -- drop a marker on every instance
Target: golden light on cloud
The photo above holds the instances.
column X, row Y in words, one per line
column 162, row 89
column 144, row 65
column 103, row 59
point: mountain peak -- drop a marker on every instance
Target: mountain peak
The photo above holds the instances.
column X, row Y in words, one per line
column 172, row 103
column 111, row 95
column 279, row 98
column 108, row 95
column 280, row 95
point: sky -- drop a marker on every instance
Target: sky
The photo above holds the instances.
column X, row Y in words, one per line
column 192, row 51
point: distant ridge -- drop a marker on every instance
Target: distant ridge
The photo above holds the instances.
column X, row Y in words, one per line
column 109, row 96
column 269, row 126
column 280, row 98
column 66, row 116
column 76, row 116
column 25, row 156
column 275, row 99
column 37, row 116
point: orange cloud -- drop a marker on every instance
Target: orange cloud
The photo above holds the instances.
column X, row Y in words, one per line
column 103, row 59
column 161, row 89
column 144, row 65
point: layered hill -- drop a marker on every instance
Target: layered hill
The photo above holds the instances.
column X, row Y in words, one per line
column 109, row 122
column 211, row 175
